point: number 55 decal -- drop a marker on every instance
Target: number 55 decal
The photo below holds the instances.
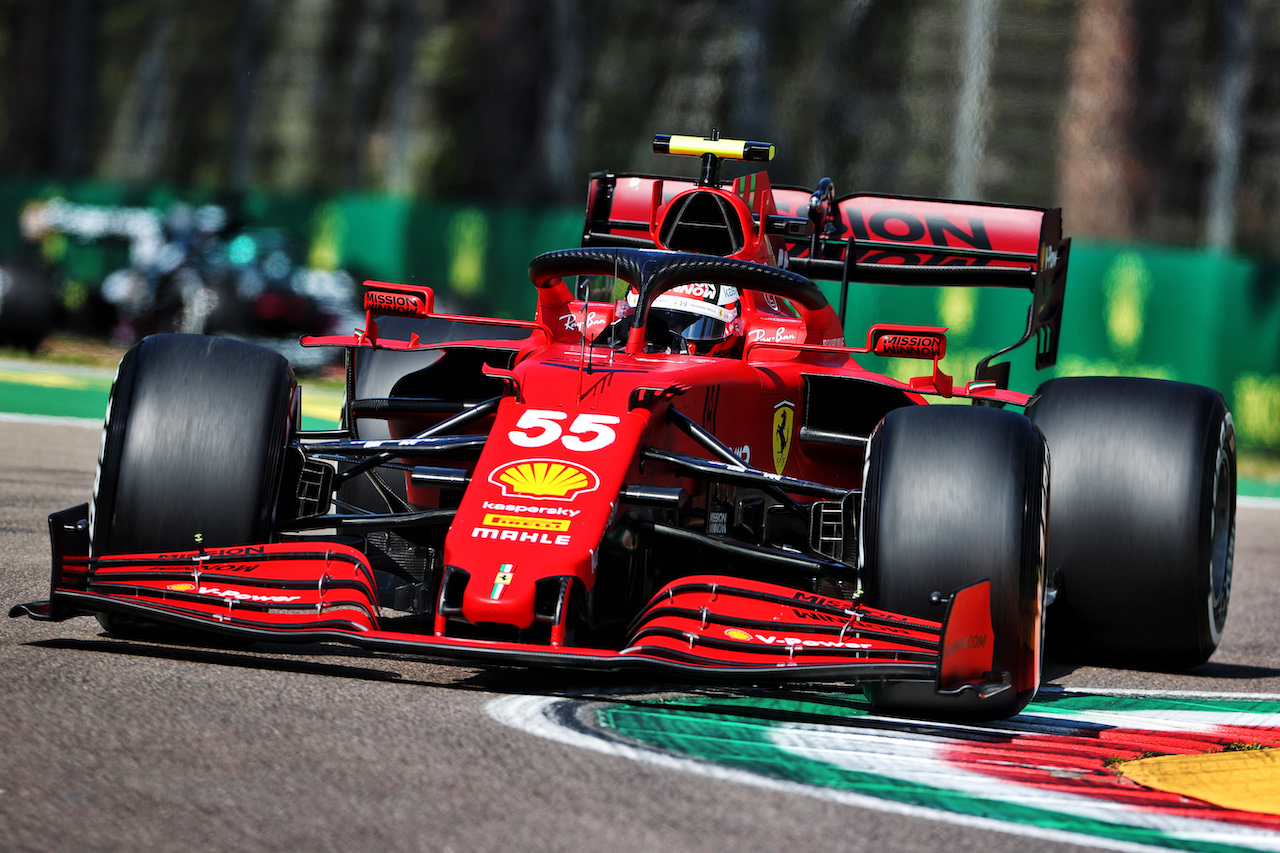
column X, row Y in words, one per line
column 540, row 427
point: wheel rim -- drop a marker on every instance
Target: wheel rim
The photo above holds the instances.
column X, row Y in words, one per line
column 1222, row 532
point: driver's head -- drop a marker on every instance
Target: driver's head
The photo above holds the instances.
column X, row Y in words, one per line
column 701, row 318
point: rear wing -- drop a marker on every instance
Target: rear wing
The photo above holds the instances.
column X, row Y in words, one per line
column 877, row 239
column 931, row 242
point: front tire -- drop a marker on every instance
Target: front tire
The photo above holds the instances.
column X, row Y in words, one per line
column 193, row 444
column 954, row 495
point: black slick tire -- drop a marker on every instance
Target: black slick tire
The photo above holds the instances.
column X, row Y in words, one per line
column 1143, row 519
column 194, row 437
column 954, row 495
column 193, row 444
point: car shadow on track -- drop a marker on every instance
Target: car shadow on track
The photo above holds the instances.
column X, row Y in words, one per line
column 246, row 658
column 301, row 659
column 1054, row 671
column 408, row 670
column 1234, row 671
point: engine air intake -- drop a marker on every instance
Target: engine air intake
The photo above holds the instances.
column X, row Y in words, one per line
column 702, row 222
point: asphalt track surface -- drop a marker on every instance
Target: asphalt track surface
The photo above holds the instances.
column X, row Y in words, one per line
column 107, row 745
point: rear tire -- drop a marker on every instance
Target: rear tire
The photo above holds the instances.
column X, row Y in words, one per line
column 194, row 440
column 1143, row 519
column 954, row 495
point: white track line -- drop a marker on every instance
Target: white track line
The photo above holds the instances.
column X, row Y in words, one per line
column 1159, row 694
column 51, row 420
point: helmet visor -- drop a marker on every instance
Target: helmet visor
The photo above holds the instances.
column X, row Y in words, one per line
column 699, row 312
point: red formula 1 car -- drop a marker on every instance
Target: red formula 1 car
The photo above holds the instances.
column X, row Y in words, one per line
column 679, row 465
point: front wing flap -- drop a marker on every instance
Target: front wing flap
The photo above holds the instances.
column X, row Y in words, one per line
column 706, row 626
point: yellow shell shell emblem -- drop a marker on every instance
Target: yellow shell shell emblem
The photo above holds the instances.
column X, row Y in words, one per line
column 784, row 416
column 544, row 478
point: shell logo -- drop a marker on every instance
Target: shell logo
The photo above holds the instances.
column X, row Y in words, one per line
column 737, row 634
column 181, row 587
column 544, row 478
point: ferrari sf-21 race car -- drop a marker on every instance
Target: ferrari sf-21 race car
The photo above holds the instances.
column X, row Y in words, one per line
column 679, row 465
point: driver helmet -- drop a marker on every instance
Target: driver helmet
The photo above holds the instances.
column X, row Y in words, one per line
column 701, row 318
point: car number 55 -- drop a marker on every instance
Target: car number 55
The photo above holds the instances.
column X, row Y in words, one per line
column 540, row 427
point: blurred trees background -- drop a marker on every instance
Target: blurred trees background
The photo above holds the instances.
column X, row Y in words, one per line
column 1147, row 120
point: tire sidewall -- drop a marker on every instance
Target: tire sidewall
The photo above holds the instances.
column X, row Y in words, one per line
column 195, row 434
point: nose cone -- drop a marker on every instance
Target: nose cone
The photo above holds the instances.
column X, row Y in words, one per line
column 536, row 513
column 508, row 553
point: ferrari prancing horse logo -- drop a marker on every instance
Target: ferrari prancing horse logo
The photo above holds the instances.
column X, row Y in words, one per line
column 502, row 580
column 784, row 415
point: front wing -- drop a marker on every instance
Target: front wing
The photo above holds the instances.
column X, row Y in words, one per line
column 704, row 627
